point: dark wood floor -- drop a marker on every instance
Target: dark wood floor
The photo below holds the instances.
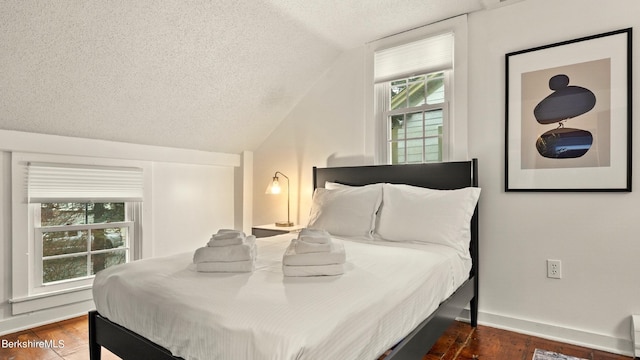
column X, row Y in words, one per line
column 460, row 342
column 73, row 332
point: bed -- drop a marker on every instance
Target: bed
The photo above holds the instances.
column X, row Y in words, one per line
column 420, row 330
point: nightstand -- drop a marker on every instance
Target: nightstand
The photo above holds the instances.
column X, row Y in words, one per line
column 271, row 230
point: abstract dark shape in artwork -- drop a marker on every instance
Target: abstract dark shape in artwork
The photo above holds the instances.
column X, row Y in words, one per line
column 564, row 143
column 565, row 102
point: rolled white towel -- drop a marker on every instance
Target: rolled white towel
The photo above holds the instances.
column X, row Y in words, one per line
column 225, row 242
column 229, row 266
column 304, row 246
column 335, row 256
column 242, row 252
column 315, row 239
column 313, row 236
column 226, row 237
column 313, row 270
column 228, row 234
column 314, row 232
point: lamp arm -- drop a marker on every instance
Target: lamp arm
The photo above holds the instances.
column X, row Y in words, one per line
column 285, row 176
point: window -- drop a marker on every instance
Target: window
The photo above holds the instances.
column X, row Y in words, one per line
column 72, row 217
column 416, row 118
column 417, row 109
column 76, row 240
column 76, row 234
column 414, row 109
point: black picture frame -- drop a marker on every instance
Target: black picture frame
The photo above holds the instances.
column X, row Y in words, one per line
column 568, row 115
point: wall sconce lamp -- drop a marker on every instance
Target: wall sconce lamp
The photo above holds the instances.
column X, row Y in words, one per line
column 274, row 189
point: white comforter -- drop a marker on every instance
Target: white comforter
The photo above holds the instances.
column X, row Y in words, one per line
column 385, row 292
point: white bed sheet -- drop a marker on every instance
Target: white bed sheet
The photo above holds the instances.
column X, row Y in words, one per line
column 386, row 291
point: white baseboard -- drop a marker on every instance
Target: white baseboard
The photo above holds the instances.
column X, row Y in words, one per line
column 38, row 318
column 555, row 333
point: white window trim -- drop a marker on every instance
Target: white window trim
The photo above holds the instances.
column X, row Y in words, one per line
column 375, row 132
column 27, row 296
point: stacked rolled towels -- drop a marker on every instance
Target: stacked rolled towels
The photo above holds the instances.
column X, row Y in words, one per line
column 227, row 251
column 313, row 253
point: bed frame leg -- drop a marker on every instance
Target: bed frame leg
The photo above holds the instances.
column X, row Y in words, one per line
column 474, row 312
column 95, row 350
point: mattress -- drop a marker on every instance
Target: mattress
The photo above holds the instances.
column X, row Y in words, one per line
column 386, row 291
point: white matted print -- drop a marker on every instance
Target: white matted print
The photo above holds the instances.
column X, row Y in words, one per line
column 568, row 116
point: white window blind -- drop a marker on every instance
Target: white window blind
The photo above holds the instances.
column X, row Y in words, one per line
column 51, row 182
column 431, row 54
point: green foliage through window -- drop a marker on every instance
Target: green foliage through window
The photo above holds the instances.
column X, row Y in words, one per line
column 52, row 214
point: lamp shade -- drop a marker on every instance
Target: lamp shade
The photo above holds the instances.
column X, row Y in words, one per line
column 274, row 187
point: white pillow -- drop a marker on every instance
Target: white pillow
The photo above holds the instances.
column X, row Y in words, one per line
column 329, row 185
column 347, row 211
column 416, row 214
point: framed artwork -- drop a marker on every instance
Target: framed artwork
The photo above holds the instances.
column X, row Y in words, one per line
column 568, row 115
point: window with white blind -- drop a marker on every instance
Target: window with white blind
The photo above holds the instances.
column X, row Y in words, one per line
column 419, row 82
column 411, row 84
column 81, row 216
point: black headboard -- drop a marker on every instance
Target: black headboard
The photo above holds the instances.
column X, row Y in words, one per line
column 441, row 176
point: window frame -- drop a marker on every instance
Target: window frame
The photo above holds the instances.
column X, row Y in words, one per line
column 39, row 258
column 28, row 294
column 375, row 131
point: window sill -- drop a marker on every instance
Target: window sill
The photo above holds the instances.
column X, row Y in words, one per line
column 51, row 299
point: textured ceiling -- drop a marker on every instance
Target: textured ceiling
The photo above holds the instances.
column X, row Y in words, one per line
column 208, row 75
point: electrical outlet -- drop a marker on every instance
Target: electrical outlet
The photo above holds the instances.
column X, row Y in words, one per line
column 554, row 269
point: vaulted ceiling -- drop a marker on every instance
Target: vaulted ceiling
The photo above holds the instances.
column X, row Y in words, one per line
column 209, row 75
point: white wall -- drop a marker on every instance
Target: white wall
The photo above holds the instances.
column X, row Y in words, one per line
column 326, row 128
column 191, row 197
column 594, row 234
column 190, row 202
